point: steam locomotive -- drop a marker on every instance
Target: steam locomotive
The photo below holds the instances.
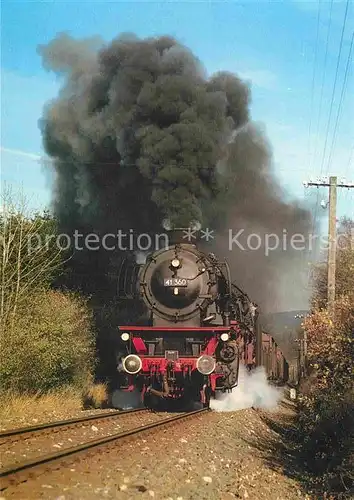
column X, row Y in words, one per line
column 199, row 328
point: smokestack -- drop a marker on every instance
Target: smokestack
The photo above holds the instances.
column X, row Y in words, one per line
column 178, row 235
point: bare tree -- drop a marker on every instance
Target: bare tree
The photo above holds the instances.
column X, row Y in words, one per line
column 30, row 253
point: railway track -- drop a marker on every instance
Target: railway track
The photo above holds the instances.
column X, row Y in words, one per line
column 21, row 472
column 13, row 435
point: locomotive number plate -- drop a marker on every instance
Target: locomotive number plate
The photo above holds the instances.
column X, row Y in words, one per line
column 175, row 282
column 171, row 355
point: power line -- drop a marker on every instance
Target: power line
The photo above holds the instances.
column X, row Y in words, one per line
column 351, row 155
column 335, row 84
column 341, row 102
column 314, row 79
column 320, row 107
column 333, row 185
column 323, row 77
column 333, row 94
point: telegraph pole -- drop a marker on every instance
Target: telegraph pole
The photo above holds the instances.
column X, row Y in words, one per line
column 332, row 236
column 332, row 184
column 302, row 349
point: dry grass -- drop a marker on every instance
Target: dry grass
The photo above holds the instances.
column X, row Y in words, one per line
column 17, row 410
column 96, row 396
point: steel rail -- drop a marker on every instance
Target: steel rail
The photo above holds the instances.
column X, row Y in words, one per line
column 20, row 472
column 28, row 432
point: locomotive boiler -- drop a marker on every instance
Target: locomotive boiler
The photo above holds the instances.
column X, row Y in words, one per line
column 199, row 327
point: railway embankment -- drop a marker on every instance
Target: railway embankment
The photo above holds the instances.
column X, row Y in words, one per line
column 215, row 455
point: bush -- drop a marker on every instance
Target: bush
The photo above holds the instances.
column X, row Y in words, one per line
column 327, row 432
column 96, row 396
column 326, row 415
column 51, row 344
column 331, row 346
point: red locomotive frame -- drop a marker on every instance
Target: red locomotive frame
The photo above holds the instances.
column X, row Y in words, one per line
column 271, row 356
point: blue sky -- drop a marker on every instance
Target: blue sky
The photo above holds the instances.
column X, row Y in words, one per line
column 271, row 43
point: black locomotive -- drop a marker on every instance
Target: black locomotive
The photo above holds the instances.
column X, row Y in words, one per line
column 198, row 327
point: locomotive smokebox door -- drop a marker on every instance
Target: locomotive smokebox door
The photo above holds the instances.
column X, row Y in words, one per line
column 177, row 284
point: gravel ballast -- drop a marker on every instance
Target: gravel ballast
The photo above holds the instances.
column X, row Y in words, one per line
column 213, row 456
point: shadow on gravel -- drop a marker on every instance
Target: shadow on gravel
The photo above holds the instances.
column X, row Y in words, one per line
column 283, row 448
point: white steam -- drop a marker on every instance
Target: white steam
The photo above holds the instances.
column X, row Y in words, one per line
column 253, row 390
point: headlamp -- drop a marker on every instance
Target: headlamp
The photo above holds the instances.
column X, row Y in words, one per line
column 132, row 364
column 206, row 364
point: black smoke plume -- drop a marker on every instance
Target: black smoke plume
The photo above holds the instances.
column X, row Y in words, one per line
column 140, row 133
column 138, row 130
